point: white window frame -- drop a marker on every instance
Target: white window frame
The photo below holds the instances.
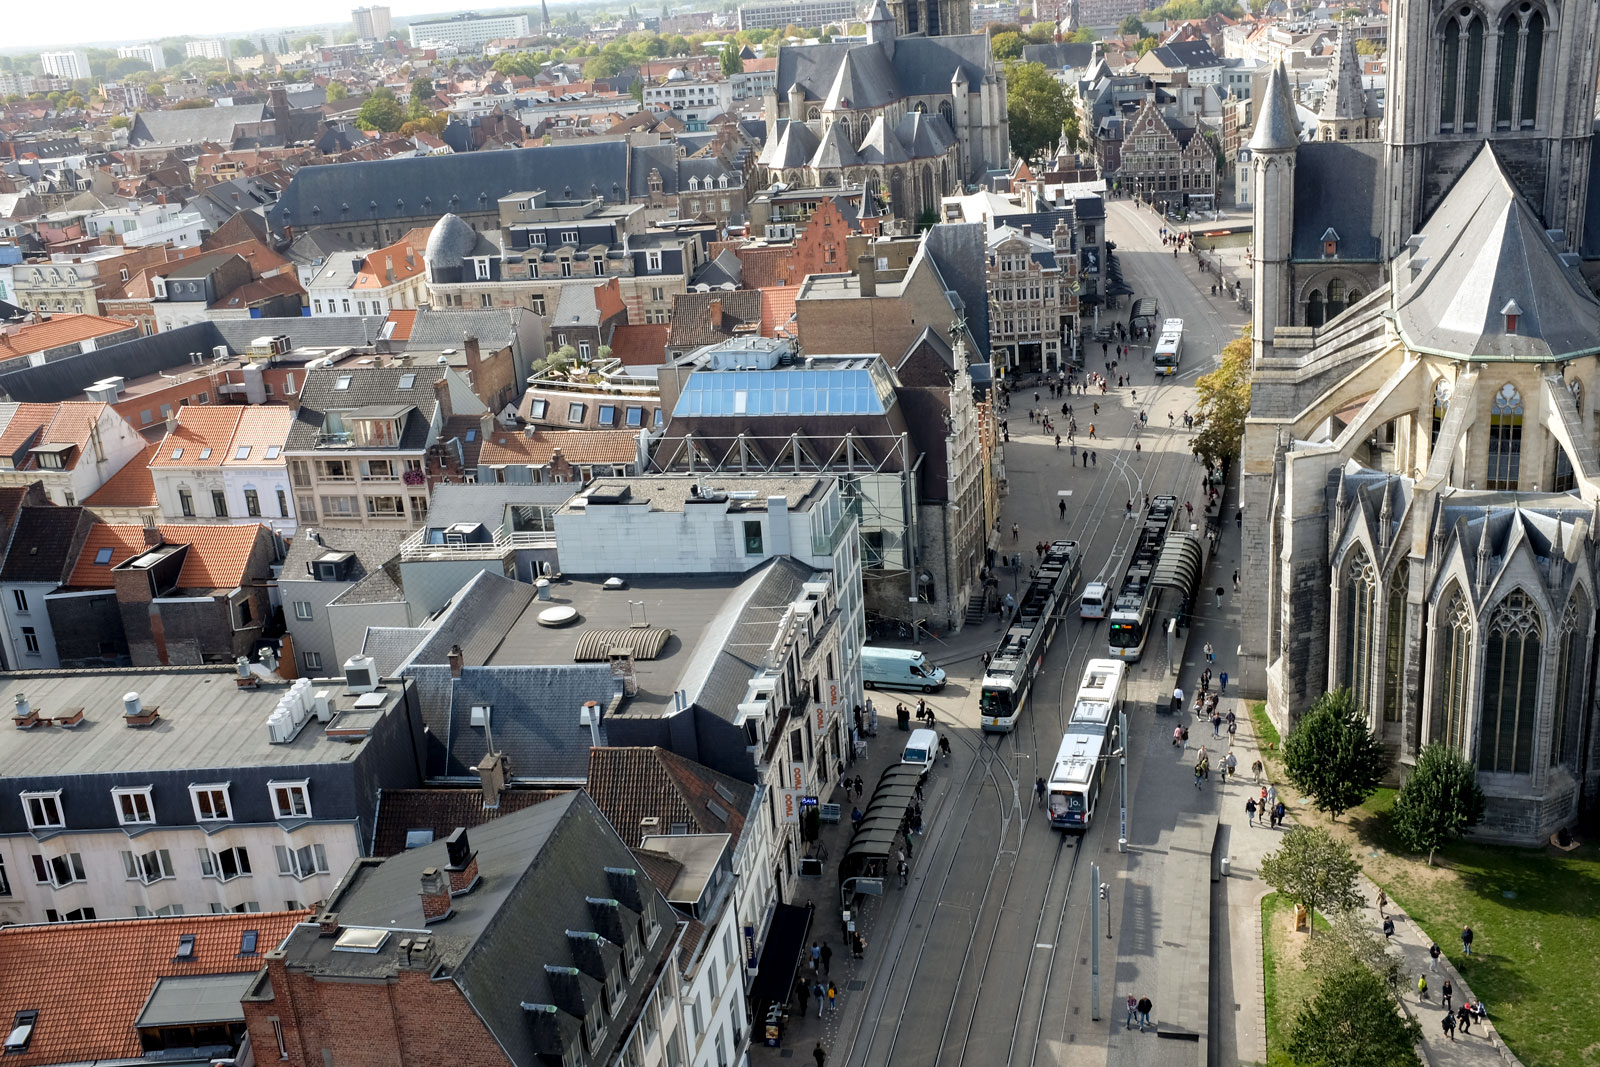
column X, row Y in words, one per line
column 313, row 660
column 73, row 860
column 211, row 863
column 303, row 785
column 135, row 793
column 52, row 796
column 302, row 610
column 198, row 788
column 301, row 863
column 137, row 866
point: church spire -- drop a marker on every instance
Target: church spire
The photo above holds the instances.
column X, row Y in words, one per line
column 1345, row 98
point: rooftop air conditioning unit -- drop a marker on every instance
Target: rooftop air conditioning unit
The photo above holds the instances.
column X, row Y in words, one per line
column 360, row 674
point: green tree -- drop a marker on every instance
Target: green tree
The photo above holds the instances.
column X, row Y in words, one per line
column 1313, row 869
column 173, row 56
column 381, row 111
column 1038, row 107
column 731, row 62
column 605, row 65
column 1439, row 801
column 1224, row 401
column 1041, row 33
column 243, row 49
column 1354, row 1021
column 194, row 103
column 1332, row 756
column 121, row 122
column 156, row 90
column 337, row 91
column 1084, row 36
column 1132, row 27
column 1006, row 46
column 636, row 90
column 1350, row 939
column 1145, row 45
column 76, row 100
column 348, row 37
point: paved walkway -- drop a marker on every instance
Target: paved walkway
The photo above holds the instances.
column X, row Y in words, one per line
column 1238, row 1025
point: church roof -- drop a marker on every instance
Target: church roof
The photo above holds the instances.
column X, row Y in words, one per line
column 1346, row 95
column 1339, row 185
column 881, row 147
column 836, row 149
column 864, row 79
column 795, row 147
column 1481, row 250
column 924, row 136
column 904, row 67
column 1276, row 128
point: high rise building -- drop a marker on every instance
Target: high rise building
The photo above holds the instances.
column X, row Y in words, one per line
column 73, row 64
column 211, row 48
column 468, row 32
column 149, row 53
column 372, row 23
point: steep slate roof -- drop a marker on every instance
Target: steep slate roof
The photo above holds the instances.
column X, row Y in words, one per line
column 534, row 718
column 1277, row 128
column 89, row 980
column 41, row 544
column 718, row 676
column 1339, row 184
column 630, row 784
column 369, row 386
column 440, row 811
column 476, row 618
column 1485, row 250
column 130, row 487
column 421, row 185
column 372, row 549
column 192, row 126
column 919, row 66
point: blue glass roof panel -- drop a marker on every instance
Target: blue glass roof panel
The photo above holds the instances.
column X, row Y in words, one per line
column 860, row 390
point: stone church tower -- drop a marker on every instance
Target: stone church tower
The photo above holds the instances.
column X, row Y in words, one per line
column 1521, row 73
column 934, row 18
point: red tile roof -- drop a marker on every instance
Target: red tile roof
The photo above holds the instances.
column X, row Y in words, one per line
column 218, row 555
column 65, row 423
column 577, row 446
column 777, row 311
column 89, row 981
column 199, row 427
column 441, row 811
column 56, row 331
column 640, row 346
column 130, row 487
column 403, row 323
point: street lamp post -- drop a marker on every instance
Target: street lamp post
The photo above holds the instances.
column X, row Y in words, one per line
column 1095, row 895
column 1122, row 728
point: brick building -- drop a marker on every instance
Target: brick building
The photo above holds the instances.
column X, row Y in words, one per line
column 1166, row 163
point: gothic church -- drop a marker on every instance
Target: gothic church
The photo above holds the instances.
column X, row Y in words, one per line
column 1421, row 471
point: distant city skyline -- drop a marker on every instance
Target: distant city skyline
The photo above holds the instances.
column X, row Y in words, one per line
column 106, row 23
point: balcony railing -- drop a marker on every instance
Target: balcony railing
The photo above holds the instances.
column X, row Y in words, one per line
column 418, row 547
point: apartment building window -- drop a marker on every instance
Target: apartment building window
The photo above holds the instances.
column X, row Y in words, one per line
column 652, row 261
column 658, row 292
column 600, row 266
column 566, row 268
column 419, row 508
column 346, row 304
column 21, row 598
column 211, row 803
column 186, row 503
column 608, row 415
column 537, row 408
column 301, row 862
column 386, row 507
column 752, row 539
column 283, row 504
column 59, row 870
column 381, row 470
column 569, row 237
column 277, row 1035
column 76, row 915
column 536, row 302
column 336, row 470
column 148, row 867
column 252, row 503
column 224, row 866
column 361, row 307
column 299, row 473
column 291, row 800
column 339, row 507
column 5, row 882
column 302, row 609
column 219, row 504
column 316, row 306
column 134, row 806
column 30, row 640
column 575, row 412
column 313, row 661
column 43, row 810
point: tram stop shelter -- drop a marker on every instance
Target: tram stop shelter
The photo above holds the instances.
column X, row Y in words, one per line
column 1179, row 567
column 878, row 834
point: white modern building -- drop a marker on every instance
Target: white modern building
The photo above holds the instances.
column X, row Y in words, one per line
column 210, row 48
column 73, row 64
column 149, row 224
column 147, row 53
column 372, row 22
column 468, row 32
column 692, row 101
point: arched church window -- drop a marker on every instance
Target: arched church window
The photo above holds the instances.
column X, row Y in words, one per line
column 846, row 124
column 1335, row 298
column 814, row 114
column 949, row 113
column 1316, row 311
column 1570, row 688
column 1351, row 298
column 1394, row 641
column 922, row 109
column 1462, row 48
column 1510, row 687
column 1517, row 81
column 1441, row 407
column 1505, row 439
column 1452, row 655
column 1355, row 665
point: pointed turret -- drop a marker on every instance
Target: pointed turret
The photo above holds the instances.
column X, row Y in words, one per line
column 1277, row 130
column 1345, row 98
column 1272, row 164
column 880, row 25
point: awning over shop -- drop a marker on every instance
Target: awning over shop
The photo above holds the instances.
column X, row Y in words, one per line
column 780, row 956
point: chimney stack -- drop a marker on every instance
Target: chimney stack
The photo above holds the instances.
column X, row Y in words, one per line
column 591, row 716
column 463, row 869
column 327, row 923
column 457, row 659
column 714, row 314
column 435, row 894
column 493, row 770
column 867, row 272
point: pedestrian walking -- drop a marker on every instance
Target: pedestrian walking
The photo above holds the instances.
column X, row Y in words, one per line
column 1061, row 506
column 910, row 852
column 1232, row 763
column 1449, row 1023
column 1211, row 655
column 820, row 1055
column 1250, row 810
column 1216, row 724
column 833, row 995
column 1383, row 901
column 1255, row 771
column 1223, row 678
column 1015, row 532
column 1446, row 993
column 816, row 956
column 1422, row 987
column 1177, row 699
column 1233, row 720
column 1433, row 958
column 1388, row 927
column 1466, row 940
column 1464, row 1017
column 1189, row 507
column 1272, row 794
column 1199, row 772
column 860, row 787
column 827, row 959
column 905, row 871
column 900, row 854
column 858, row 945
column 1144, row 1013
column 1278, row 812
column 1094, row 457
column 1236, row 580
column 1133, row 1012
column 1219, row 596
column 821, row 993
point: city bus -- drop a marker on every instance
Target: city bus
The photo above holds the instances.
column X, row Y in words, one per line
column 1169, row 347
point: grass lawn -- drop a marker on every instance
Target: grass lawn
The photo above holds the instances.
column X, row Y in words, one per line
column 1288, row 985
column 1535, row 913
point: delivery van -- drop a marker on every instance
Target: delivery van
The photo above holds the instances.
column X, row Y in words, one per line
column 1095, row 602
column 899, row 668
column 921, row 749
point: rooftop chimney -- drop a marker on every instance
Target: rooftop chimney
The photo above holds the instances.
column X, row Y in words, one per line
column 463, row 869
column 493, row 770
column 457, row 659
column 867, row 272
column 1027, row 229
column 327, row 923
column 714, row 314
column 590, row 717
column 388, row 269
column 435, row 894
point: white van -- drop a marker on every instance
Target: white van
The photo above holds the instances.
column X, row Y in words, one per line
column 921, row 749
column 899, row 668
column 1096, row 600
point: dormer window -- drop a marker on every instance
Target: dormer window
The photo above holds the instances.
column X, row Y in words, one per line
column 481, row 266
column 1330, row 243
column 1512, row 311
